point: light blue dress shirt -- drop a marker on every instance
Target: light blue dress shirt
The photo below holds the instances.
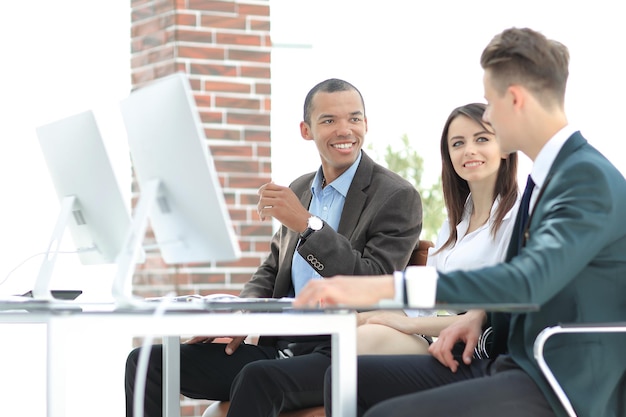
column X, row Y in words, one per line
column 327, row 204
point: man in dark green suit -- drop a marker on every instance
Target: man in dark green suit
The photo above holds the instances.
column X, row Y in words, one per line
column 568, row 257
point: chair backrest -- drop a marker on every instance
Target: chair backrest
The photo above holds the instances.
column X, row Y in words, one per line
column 420, row 253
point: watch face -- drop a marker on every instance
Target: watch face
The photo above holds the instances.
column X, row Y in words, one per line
column 315, row 223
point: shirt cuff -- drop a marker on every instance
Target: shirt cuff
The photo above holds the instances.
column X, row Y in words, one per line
column 420, row 286
column 399, row 299
column 399, row 288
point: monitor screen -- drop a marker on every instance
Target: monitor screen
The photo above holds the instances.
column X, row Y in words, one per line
column 79, row 167
column 169, row 151
column 92, row 206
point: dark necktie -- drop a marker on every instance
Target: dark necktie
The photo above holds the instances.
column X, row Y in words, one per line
column 500, row 320
column 523, row 207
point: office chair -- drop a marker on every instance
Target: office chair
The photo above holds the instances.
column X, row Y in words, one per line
column 542, row 338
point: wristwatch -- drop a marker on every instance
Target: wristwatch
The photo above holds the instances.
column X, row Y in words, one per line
column 314, row 224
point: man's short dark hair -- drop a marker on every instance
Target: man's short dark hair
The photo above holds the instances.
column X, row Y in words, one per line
column 331, row 85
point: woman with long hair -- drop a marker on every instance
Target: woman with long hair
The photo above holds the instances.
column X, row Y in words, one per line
column 481, row 196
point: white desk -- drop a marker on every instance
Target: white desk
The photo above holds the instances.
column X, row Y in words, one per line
column 63, row 328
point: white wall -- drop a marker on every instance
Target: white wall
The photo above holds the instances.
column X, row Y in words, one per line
column 59, row 58
column 415, row 61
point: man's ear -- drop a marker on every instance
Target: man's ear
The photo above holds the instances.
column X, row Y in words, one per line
column 517, row 95
column 305, row 131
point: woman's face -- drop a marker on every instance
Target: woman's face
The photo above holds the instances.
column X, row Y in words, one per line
column 474, row 152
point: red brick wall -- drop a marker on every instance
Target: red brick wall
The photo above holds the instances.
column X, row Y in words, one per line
column 224, row 46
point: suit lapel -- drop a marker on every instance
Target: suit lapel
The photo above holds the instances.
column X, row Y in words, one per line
column 356, row 198
column 569, row 147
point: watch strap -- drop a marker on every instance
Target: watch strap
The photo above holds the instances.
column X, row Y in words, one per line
column 307, row 232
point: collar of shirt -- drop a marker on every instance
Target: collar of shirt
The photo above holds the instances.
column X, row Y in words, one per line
column 461, row 228
column 546, row 158
column 341, row 184
column 548, row 154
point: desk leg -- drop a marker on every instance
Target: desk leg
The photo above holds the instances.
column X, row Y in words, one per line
column 171, row 376
column 56, row 365
column 344, row 369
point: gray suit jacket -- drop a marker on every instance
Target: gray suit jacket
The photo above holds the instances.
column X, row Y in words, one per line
column 379, row 228
column 573, row 265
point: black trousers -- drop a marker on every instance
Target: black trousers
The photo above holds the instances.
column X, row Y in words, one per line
column 252, row 378
column 418, row 385
column 264, row 388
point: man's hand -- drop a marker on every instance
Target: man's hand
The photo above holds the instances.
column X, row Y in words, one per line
column 467, row 329
column 282, row 204
column 359, row 291
column 231, row 346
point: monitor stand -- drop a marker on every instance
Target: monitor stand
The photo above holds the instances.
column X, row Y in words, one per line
column 41, row 293
column 41, row 290
column 132, row 247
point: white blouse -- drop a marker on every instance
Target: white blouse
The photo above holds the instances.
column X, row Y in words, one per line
column 472, row 250
column 476, row 249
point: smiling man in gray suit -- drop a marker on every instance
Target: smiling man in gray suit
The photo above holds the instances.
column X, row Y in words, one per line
column 568, row 257
column 352, row 216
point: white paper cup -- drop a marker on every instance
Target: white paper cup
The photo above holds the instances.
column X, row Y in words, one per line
column 421, row 286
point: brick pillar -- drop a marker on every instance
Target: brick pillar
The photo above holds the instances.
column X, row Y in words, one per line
column 224, row 46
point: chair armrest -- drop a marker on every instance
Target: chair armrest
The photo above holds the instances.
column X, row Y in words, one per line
column 545, row 334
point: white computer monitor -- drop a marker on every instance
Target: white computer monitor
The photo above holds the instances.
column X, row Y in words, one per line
column 92, row 206
column 179, row 188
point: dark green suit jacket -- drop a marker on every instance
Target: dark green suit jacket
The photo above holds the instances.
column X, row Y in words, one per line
column 573, row 265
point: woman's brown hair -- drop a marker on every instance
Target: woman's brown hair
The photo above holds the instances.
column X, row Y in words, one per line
column 456, row 189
